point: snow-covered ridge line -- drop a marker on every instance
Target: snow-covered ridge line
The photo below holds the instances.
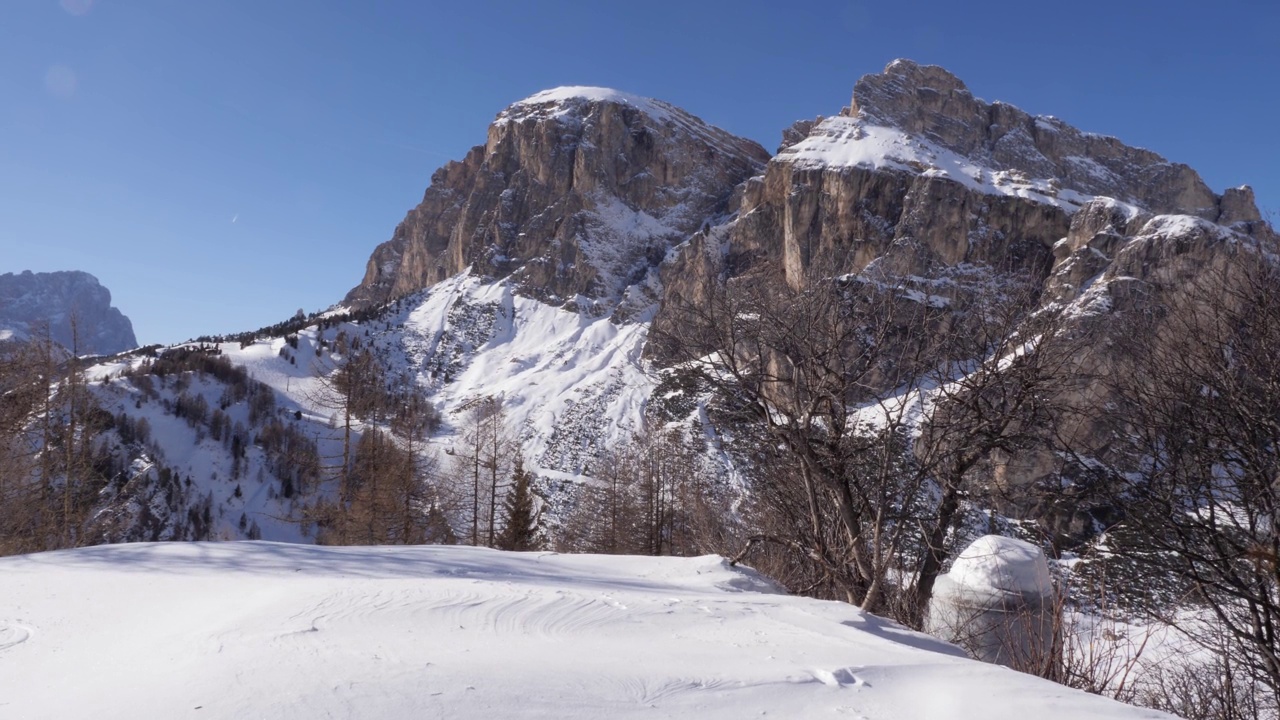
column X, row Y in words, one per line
column 655, row 108
column 840, row 142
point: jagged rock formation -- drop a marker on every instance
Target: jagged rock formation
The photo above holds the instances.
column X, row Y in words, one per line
column 931, row 104
column 918, row 173
column 31, row 301
column 578, row 192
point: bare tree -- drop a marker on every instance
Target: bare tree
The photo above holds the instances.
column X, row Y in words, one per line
column 649, row 497
column 874, row 402
column 483, row 460
column 353, row 387
column 1200, row 399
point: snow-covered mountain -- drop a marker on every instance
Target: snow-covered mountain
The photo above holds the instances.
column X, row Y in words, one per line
column 532, row 271
column 30, row 302
column 533, row 278
column 570, row 383
column 288, row 631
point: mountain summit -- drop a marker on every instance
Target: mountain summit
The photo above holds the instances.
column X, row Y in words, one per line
column 578, row 194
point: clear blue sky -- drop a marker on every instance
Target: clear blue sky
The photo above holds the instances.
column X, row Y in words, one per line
column 219, row 164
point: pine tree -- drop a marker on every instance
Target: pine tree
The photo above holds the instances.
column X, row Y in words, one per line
column 521, row 510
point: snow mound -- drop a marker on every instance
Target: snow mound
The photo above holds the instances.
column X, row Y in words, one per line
column 1002, row 565
column 594, row 94
column 235, row 630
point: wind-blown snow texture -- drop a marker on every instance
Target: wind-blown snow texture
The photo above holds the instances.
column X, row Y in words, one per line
column 287, row 631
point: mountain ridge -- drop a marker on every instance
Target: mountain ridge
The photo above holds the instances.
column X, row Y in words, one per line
column 29, row 301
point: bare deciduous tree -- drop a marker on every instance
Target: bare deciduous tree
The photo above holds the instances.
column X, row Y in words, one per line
column 1200, row 395
column 872, row 404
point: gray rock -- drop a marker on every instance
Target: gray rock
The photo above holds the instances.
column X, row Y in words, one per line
column 30, row 302
column 1238, row 205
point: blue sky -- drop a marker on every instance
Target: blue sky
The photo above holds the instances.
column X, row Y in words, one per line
column 220, row 164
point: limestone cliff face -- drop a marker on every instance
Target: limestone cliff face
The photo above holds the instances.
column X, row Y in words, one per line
column 578, row 193
column 918, row 173
column 932, row 104
column 31, row 302
column 918, row 176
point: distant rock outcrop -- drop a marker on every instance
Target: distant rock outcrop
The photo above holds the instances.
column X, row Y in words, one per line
column 30, row 302
column 579, row 193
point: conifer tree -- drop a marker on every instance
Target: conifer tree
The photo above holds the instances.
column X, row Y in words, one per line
column 522, row 514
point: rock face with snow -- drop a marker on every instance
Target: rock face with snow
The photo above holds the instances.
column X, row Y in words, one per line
column 932, row 105
column 31, row 301
column 918, row 173
column 998, row 602
column 577, row 192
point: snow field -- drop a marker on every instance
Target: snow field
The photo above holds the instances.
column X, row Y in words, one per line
column 237, row 630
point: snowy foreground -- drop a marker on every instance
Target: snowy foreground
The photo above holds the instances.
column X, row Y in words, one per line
column 267, row 630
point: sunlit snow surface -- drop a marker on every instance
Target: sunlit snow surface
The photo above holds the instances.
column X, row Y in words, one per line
column 570, row 383
column 839, row 142
column 248, row 630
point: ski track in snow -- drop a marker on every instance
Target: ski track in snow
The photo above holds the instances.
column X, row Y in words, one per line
column 11, row 634
column 235, row 630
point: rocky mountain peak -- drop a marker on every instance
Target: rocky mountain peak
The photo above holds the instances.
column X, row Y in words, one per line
column 918, row 168
column 577, row 193
column 30, row 302
column 561, row 101
column 921, row 99
column 929, row 103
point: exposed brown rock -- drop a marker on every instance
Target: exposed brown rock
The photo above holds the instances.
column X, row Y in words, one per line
column 577, row 194
column 928, row 101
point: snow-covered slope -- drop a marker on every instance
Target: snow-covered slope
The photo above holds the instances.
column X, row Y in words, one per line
column 287, row 631
column 570, row 383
